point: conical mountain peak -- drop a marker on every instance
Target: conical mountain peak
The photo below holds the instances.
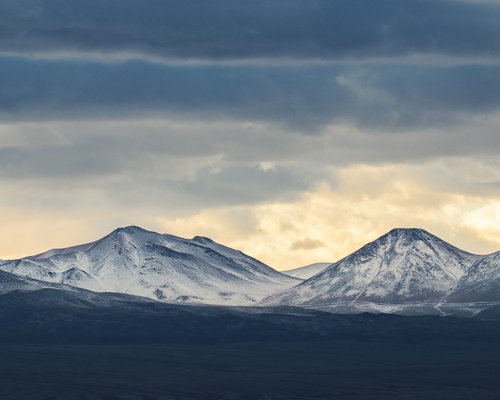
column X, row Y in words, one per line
column 402, row 266
column 410, row 233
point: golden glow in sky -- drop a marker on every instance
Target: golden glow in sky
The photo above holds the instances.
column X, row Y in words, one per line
column 323, row 224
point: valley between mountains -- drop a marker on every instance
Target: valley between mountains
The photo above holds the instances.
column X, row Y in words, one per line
column 406, row 271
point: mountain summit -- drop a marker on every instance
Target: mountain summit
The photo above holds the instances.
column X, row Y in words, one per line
column 168, row 268
column 404, row 266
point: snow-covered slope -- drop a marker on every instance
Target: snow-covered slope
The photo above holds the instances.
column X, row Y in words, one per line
column 307, row 271
column 480, row 283
column 163, row 267
column 405, row 266
column 11, row 282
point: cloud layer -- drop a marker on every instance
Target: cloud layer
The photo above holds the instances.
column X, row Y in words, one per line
column 391, row 97
column 261, row 29
column 296, row 130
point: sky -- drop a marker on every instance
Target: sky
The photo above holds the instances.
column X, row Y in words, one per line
column 294, row 130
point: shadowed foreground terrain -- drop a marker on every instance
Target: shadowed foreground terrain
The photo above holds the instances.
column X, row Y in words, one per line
column 343, row 369
column 64, row 346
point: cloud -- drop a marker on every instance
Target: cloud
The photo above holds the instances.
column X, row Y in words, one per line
column 367, row 202
column 138, row 171
column 236, row 184
column 306, row 244
column 222, row 186
column 269, row 124
column 242, row 30
column 304, row 99
column 208, row 159
column 452, row 198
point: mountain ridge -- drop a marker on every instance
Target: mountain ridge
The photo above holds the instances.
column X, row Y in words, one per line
column 308, row 271
column 406, row 270
column 404, row 267
column 164, row 267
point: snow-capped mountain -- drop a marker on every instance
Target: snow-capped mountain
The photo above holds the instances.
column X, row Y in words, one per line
column 403, row 267
column 164, row 267
column 480, row 283
column 308, row 271
column 408, row 271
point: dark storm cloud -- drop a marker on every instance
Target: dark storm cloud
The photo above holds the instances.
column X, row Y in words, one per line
column 241, row 29
column 305, row 98
column 39, row 89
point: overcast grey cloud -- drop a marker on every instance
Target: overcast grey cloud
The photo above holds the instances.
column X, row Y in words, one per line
column 260, row 29
column 213, row 154
column 216, row 113
column 228, row 185
column 304, row 98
